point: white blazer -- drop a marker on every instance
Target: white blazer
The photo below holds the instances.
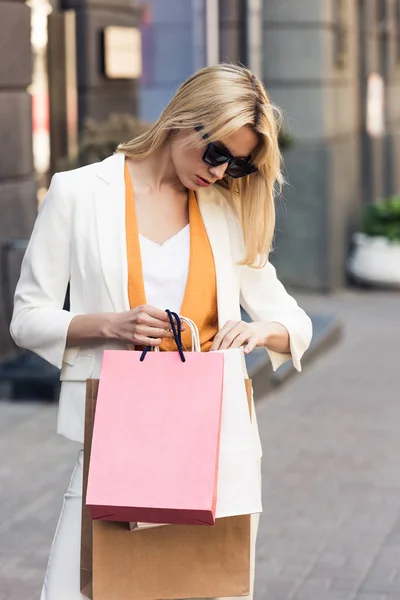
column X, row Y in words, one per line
column 79, row 237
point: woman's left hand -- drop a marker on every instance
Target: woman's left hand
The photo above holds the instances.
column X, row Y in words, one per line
column 235, row 334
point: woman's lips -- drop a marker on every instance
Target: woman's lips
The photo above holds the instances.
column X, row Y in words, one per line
column 202, row 182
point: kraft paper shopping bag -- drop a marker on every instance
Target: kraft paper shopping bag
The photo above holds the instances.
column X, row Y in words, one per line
column 183, row 565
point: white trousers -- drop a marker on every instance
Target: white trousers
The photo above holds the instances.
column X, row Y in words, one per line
column 62, row 580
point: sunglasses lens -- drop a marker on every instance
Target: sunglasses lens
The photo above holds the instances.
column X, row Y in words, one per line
column 215, row 156
column 239, row 168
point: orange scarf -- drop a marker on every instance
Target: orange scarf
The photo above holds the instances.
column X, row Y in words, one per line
column 200, row 298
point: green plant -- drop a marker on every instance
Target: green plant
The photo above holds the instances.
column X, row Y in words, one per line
column 383, row 219
column 100, row 139
column 285, row 140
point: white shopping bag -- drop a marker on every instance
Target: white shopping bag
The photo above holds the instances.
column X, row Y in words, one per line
column 133, row 526
column 239, row 484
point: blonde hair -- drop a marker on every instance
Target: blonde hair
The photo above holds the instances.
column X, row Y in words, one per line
column 224, row 98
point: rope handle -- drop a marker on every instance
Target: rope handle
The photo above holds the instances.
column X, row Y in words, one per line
column 176, row 326
column 194, row 330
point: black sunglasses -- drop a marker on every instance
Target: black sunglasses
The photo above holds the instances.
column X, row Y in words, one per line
column 216, row 155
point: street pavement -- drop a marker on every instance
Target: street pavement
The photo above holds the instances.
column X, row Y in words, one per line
column 331, row 470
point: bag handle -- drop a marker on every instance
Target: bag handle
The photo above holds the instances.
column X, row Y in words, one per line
column 176, row 326
column 194, row 330
column 195, row 335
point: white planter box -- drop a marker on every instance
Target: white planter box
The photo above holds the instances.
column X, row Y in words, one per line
column 375, row 260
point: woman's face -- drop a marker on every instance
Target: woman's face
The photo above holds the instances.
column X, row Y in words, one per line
column 190, row 168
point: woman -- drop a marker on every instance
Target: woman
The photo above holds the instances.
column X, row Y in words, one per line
column 181, row 217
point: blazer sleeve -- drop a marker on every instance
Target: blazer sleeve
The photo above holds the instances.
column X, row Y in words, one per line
column 264, row 298
column 39, row 322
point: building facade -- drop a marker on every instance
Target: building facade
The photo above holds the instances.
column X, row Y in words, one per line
column 94, row 95
column 316, row 58
column 333, row 66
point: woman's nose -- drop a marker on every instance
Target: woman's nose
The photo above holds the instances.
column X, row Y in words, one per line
column 219, row 171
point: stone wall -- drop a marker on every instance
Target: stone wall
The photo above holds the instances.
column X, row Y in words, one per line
column 17, row 181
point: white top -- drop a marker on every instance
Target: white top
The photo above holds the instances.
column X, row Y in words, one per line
column 165, row 270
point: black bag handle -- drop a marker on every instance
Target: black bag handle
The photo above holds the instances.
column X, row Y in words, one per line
column 176, row 326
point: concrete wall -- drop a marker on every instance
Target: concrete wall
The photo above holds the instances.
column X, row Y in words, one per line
column 232, row 41
column 17, row 182
column 320, row 102
column 334, row 166
column 393, row 100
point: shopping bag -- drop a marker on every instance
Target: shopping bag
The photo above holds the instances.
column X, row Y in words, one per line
column 86, row 576
column 182, row 563
column 140, row 526
column 175, row 561
column 239, row 488
column 156, row 436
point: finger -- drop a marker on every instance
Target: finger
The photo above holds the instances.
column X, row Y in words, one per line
column 240, row 340
column 222, row 333
column 154, row 332
column 154, row 312
column 251, row 344
column 144, row 319
column 148, row 315
column 230, row 337
column 142, row 340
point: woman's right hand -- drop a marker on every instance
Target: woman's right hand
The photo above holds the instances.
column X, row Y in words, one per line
column 141, row 326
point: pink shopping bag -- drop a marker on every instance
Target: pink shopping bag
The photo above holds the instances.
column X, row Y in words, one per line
column 156, row 435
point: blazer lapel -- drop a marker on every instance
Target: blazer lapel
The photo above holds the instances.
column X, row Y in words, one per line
column 216, row 226
column 109, row 198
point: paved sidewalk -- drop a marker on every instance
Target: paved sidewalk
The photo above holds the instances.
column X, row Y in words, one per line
column 331, row 471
